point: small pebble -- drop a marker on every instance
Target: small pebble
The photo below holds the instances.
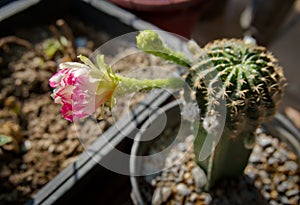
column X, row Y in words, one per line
column 295, row 179
column 272, row 161
column 255, row 158
column 266, row 181
column 284, row 200
column 269, row 150
column 292, row 192
column 51, row 148
column 160, row 195
column 274, row 194
column 189, row 181
column 292, row 156
column 273, row 202
column 199, row 177
column 26, row 146
column 263, row 174
column 265, row 141
column 182, row 189
column 282, row 187
column 187, row 176
column 193, row 197
column 266, row 195
column 290, row 166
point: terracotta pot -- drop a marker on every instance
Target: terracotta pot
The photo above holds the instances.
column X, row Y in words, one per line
column 176, row 16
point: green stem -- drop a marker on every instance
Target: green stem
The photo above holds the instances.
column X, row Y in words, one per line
column 230, row 155
column 150, row 42
column 168, row 55
column 131, row 85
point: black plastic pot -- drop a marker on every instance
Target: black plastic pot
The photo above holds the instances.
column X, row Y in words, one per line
column 85, row 181
column 170, row 114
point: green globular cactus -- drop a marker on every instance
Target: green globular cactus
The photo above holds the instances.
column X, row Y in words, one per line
column 252, row 87
column 243, row 77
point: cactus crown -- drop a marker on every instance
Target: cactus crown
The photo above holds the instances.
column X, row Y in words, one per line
column 252, row 80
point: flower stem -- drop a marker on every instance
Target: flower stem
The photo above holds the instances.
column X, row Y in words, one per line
column 150, row 42
column 131, row 85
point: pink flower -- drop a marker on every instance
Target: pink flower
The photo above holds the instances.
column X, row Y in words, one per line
column 81, row 88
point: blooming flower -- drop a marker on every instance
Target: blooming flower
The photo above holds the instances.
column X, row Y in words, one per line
column 81, row 88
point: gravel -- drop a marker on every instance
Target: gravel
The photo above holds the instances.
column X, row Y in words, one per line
column 271, row 177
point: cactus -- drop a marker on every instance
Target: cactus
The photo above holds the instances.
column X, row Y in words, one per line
column 252, row 85
column 249, row 80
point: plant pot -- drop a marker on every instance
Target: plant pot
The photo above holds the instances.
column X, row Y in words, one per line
column 169, row 180
column 84, row 180
column 179, row 16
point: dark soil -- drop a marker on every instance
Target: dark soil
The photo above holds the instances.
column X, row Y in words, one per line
column 43, row 142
